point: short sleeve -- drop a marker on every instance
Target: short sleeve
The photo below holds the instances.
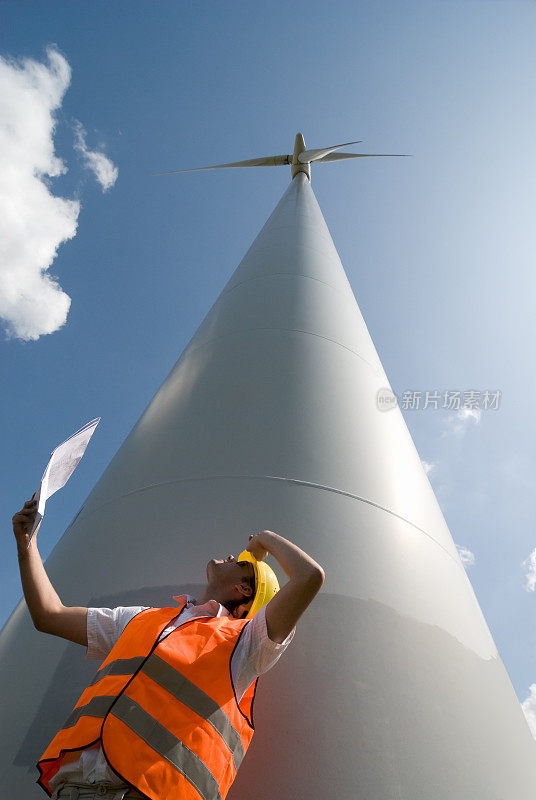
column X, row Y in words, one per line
column 255, row 653
column 105, row 626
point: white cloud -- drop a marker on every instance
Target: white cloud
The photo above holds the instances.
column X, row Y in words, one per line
column 530, row 576
column 33, row 222
column 456, row 424
column 529, row 709
column 428, row 465
column 100, row 165
column 467, row 557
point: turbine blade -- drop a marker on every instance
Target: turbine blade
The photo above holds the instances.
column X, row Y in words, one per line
column 313, row 155
column 267, row 161
column 341, row 156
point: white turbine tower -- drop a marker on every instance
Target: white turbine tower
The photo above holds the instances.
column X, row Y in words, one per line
column 393, row 688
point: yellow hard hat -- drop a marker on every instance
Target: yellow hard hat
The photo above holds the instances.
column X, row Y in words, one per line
column 266, row 583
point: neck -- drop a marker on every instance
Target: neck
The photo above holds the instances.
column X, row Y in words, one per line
column 210, row 593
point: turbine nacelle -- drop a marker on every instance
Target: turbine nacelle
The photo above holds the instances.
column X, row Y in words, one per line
column 300, row 160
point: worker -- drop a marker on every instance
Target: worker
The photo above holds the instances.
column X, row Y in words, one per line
column 169, row 714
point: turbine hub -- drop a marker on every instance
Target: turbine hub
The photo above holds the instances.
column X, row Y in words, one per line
column 296, row 165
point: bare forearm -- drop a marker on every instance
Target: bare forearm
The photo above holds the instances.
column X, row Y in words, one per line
column 305, row 579
column 41, row 597
column 46, row 609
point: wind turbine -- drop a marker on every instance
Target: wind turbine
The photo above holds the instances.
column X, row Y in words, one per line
column 393, row 688
column 300, row 160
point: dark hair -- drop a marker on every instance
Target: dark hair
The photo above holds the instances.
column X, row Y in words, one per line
column 232, row 605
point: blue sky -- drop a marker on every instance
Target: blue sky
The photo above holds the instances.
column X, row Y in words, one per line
column 439, row 248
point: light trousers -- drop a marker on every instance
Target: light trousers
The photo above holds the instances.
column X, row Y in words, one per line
column 96, row 791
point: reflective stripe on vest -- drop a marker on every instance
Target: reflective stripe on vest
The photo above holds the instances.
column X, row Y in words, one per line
column 189, row 694
column 97, row 707
column 122, row 666
column 168, row 746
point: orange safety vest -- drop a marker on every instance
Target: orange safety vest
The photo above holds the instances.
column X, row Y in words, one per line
column 165, row 713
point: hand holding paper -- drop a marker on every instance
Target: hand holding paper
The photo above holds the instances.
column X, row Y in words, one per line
column 63, row 462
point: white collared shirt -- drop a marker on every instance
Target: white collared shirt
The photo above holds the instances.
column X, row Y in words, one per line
column 255, row 654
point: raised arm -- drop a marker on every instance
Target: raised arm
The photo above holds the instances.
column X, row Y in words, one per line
column 305, row 579
column 48, row 613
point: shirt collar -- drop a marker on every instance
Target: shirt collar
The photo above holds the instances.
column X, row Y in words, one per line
column 209, row 609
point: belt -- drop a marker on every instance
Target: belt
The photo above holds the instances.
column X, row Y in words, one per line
column 74, row 791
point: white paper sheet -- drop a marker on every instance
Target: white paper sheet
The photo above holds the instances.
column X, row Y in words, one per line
column 63, row 462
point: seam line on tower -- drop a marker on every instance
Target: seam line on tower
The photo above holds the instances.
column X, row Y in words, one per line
column 326, row 237
column 302, row 246
column 293, row 274
column 297, row 481
column 288, row 330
